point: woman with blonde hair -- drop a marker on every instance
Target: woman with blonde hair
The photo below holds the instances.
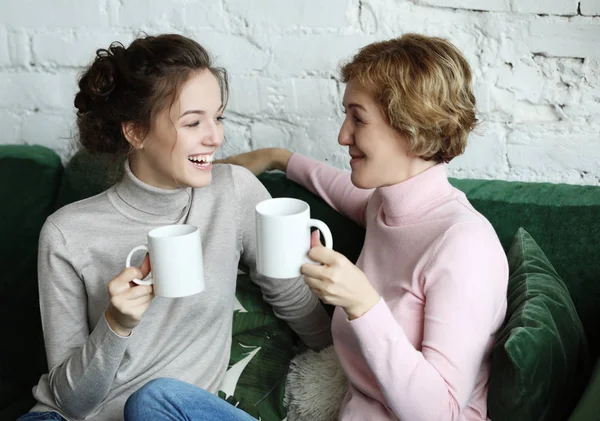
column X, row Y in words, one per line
column 415, row 317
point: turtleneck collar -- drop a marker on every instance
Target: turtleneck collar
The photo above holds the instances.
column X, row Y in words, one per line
column 141, row 201
column 403, row 200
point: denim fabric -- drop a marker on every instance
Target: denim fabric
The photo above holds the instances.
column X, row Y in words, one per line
column 39, row 416
column 173, row 400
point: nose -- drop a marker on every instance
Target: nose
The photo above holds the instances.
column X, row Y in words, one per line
column 346, row 135
column 214, row 135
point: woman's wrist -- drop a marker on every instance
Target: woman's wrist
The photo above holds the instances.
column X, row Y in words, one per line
column 280, row 158
column 115, row 326
column 359, row 309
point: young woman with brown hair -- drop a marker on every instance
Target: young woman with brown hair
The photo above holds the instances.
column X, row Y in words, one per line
column 159, row 102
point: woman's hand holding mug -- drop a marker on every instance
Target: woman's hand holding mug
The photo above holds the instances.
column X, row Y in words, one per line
column 338, row 281
column 177, row 271
column 128, row 301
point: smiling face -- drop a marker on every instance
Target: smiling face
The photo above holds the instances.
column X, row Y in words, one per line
column 379, row 153
column 179, row 148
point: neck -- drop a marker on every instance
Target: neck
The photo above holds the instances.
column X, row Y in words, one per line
column 413, row 195
column 141, row 169
column 415, row 167
column 142, row 201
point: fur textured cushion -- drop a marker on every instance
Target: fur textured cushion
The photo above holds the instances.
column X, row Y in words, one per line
column 315, row 386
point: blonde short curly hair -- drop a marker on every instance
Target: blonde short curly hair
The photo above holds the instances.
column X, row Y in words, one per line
column 424, row 86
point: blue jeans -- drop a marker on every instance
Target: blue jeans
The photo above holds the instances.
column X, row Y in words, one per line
column 41, row 416
column 174, row 400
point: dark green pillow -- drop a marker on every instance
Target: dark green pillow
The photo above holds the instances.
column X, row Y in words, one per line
column 540, row 360
column 88, row 174
column 30, row 178
column 588, row 406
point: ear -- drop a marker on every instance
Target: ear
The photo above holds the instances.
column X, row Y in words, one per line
column 133, row 134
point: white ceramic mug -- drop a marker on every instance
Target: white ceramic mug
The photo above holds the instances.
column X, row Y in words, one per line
column 283, row 236
column 176, row 260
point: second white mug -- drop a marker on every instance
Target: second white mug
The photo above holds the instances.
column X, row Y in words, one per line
column 283, row 228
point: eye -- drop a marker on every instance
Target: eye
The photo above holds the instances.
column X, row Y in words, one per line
column 220, row 119
column 355, row 118
column 194, row 124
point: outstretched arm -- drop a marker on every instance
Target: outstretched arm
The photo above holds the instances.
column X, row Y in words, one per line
column 291, row 299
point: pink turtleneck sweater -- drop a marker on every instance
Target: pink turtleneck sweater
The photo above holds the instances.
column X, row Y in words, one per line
column 422, row 352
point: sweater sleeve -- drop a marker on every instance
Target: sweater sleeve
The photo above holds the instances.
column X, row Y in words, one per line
column 465, row 295
column 331, row 184
column 82, row 364
column 291, row 299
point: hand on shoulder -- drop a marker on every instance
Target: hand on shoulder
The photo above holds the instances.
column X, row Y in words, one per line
column 260, row 160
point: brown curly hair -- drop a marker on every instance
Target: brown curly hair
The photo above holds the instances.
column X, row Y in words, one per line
column 133, row 85
column 424, row 87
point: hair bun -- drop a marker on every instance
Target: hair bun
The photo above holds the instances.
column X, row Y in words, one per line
column 96, row 85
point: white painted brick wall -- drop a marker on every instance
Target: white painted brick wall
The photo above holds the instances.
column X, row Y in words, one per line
column 38, row 14
column 292, row 14
column 39, row 90
column 565, row 37
column 590, row 7
column 536, row 67
column 204, row 14
column 13, row 47
column 4, row 47
column 487, row 5
column 69, row 48
column 546, row 7
column 11, row 128
column 52, row 130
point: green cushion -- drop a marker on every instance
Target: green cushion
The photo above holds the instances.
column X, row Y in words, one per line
column 539, row 363
column 261, row 349
column 31, row 176
column 588, row 408
column 564, row 220
column 86, row 175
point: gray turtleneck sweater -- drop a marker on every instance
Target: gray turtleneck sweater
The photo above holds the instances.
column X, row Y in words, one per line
column 84, row 245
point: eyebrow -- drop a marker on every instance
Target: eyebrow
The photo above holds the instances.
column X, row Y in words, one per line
column 201, row 112
column 355, row 105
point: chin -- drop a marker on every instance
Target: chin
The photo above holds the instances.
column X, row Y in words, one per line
column 196, row 177
column 362, row 182
column 197, row 181
column 202, row 183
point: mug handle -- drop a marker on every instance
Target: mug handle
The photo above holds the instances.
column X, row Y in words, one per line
column 324, row 229
column 148, row 280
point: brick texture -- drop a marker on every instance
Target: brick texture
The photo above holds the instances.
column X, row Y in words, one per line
column 535, row 67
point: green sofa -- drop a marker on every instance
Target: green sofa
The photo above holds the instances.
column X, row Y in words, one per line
column 563, row 219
